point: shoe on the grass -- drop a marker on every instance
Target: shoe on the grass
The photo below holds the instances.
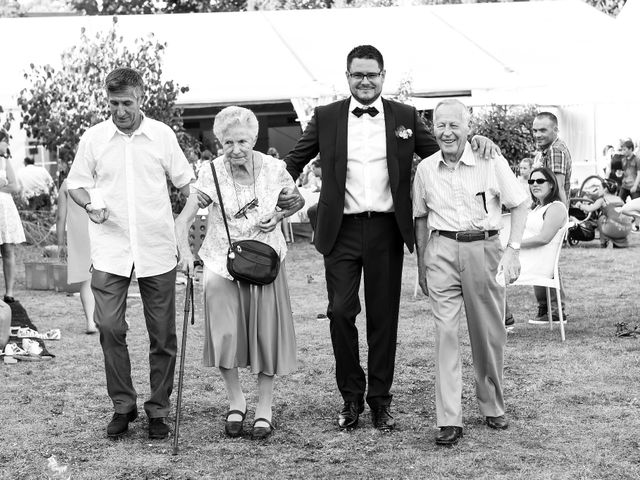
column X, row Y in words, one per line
column 11, row 350
column 119, row 423
column 158, row 429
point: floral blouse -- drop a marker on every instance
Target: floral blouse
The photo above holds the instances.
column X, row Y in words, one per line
column 269, row 182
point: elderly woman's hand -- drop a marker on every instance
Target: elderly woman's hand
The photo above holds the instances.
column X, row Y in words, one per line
column 185, row 261
column 269, row 222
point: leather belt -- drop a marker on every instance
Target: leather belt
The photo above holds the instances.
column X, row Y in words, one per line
column 364, row 215
column 469, row 235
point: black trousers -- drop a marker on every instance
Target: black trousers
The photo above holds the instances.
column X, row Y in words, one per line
column 158, row 301
column 372, row 246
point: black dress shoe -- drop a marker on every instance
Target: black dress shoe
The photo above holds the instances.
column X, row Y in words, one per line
column 349, row 415
column 158, row 429
column 382, row 418
column 448, row 436
column 234, row 428
column 499, row 423
column 261, row 433
column 119, row 423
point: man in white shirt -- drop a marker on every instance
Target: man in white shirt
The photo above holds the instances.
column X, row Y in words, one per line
column 457, row 204
column 119, row 177
column 36, row 185
column 366, row 145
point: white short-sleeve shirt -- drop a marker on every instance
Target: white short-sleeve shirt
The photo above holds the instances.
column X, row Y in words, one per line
column 131, row 173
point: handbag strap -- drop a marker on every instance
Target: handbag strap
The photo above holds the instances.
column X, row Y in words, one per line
column 224, row 216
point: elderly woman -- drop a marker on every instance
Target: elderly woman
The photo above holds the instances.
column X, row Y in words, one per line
column 246, row 325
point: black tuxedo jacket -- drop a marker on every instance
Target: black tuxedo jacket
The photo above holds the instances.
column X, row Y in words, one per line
column 327, row 134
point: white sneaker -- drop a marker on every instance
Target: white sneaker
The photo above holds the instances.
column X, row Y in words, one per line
column 31, row 347
column 12, row 349
column 26, row 332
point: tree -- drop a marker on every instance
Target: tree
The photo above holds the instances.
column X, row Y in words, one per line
column 509, row 127
column 60, row 104
column 6, row 118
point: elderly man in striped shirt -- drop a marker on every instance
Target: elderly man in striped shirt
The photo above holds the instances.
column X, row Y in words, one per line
column 457, row 200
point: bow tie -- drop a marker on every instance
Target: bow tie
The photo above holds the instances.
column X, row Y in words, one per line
column 358, row 112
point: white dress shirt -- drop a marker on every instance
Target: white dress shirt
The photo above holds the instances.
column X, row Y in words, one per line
column 131, row 174
column 452, row 196
column 367, row 186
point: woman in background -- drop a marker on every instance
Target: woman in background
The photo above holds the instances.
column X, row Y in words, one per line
column 11, row 231
column 541, row 232
column 73, row 220
column 613, row 226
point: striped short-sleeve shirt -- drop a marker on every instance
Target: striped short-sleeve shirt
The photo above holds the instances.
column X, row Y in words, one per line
column 467, row 196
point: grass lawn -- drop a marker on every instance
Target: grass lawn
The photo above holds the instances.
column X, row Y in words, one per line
column 574, row 407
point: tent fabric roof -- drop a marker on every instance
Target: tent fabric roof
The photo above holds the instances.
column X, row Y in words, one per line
column 271, row 56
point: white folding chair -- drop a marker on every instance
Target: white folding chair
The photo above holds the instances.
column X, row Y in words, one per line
column 536, row 270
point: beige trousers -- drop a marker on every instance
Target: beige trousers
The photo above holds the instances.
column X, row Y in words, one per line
column 464, row 274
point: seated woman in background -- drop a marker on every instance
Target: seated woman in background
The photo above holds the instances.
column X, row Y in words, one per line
column 612, row 225
column 542, row 232
column 72, row 220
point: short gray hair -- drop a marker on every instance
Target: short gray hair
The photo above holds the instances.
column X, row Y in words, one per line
column 122, row 78
column 235, row 117
column 466, row 114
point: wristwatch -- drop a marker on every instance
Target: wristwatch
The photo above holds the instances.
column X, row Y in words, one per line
column 85, row 206
column 514, row 246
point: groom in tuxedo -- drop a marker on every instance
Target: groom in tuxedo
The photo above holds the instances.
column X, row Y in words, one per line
column 366, row 145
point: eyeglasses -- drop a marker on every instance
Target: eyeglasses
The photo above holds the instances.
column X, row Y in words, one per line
column 539, row 181
column 361, row 76
column 243, row 211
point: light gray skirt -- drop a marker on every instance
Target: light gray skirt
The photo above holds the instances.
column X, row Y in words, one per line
column 249, row 325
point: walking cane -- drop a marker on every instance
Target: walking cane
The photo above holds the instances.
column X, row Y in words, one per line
column 188, row 307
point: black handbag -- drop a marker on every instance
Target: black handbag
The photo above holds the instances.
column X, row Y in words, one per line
column 249, row 261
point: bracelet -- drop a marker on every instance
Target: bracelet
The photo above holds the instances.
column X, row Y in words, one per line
column 85, row 205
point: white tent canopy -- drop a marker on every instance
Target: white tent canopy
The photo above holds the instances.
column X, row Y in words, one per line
column 492, row 51
column 554, row 53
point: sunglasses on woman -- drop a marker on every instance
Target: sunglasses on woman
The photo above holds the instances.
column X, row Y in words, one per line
column 539, row 181
column 243, row 211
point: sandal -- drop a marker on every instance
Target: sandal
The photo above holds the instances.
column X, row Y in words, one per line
column 261, row 433
column 53, row 334
column 234, row 428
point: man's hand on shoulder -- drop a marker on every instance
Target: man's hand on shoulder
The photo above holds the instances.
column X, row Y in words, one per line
column 485, row 147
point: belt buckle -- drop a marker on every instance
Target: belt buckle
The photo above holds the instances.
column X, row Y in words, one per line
column 462, row 237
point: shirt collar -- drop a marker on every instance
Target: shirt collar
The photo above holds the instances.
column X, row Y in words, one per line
column 468, row 157
column 377, row 103
column 546, row 149
column 143, row 129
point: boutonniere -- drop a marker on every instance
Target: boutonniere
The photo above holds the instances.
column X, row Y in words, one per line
column 403, row 132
